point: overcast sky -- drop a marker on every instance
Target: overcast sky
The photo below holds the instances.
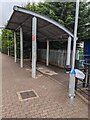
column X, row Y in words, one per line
column 6, row 8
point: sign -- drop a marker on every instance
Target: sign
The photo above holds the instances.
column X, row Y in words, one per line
column 79, row 74
column 33, row 37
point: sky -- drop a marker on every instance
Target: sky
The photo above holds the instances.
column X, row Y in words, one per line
column 6, row 9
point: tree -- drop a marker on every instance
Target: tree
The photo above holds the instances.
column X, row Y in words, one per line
column 64, row 13
column 6, row 40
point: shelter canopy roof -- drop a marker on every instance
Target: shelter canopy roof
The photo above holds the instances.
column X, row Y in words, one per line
column 46, row 27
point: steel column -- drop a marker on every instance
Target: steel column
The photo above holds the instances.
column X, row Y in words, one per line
column 34, row 31
column 21, row 48
column 68, row 51
column 72, row 73
column 47, row 54
column 8, row 46
column 8, row 50
column 15, row 49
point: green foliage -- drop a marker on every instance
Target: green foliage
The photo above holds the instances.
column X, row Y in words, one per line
column 84, row 19
column 6, row 39
column 64, row 13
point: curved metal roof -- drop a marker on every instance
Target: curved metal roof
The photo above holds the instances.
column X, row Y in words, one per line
column 46, row 27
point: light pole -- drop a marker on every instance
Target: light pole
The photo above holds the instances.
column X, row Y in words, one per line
column 72, row 72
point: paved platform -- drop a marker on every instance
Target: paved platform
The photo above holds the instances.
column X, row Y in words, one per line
column 53, row 72
column 0, row 86
column 53, row 101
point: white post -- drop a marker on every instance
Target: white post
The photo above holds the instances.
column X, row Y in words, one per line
column 8, row 46
column 47, row 54
column 8, row 50
column 68, row 51
column 77, row 55
column 72, row 73
column 34, row 31
column 21, row 48
column 15, row 50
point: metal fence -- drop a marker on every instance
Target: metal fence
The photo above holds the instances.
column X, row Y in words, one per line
column 56, row 57
column 83, row 86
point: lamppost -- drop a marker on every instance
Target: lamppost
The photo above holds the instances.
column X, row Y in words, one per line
column 72, row 72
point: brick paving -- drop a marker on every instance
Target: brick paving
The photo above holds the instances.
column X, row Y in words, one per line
column 53, row 101
column 60, row 76
column 0, row 86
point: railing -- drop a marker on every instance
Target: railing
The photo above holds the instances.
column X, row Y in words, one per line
column 83, row 86
column 56, row 57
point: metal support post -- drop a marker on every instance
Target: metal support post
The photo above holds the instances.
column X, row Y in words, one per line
column 34, row 31
column 21, row 48
column 15, row 50
column 72, row 84
column 68, row 51
column 8, row 46
column 72, row 73
column 47, row 54
column 8, row 50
